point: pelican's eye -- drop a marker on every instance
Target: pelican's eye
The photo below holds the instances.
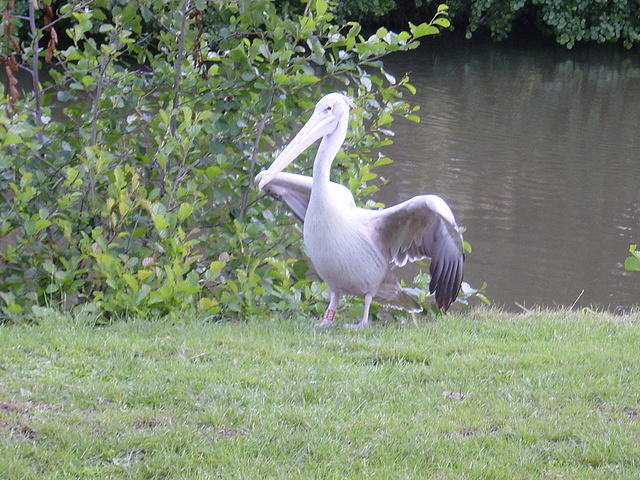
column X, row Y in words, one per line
column 328, row 109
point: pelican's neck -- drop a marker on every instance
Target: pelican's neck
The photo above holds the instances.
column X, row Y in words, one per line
column 327, row 151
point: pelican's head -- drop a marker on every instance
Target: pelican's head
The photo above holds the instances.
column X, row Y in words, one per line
column 330, row 115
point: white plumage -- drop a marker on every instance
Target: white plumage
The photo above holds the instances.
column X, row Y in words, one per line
column 354, row 249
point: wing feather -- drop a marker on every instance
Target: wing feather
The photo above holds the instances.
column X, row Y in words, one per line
column 424, row 227
column 293, row 190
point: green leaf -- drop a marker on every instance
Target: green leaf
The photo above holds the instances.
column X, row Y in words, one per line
column 144, row 274
column 184, row 211
column 443, row 22
column 164, row 116
column 381, row 32
column 187, row 115
column 423, row 29
column 384, row 119
column 15, row 308
column 443, row 7
column 404, row 36
column 484, row 298
column 306, row 79
column 160, row 221
column 131, row 281
column 321, row 7
column 41, row 224
column 383, row 143
column 213, row 171
column 209, row 304
column 410, row 87
column 281, row 78
column 214, row 269
column 632, row 264
column 307, row 24
column 154, row 298
column 382, row 161
column 354, row 30
column 118, row 175
column 12, row 139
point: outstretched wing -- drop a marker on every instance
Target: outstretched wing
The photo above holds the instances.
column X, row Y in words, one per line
column 424, row 227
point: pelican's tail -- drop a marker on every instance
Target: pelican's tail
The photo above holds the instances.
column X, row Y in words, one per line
column 391, row 294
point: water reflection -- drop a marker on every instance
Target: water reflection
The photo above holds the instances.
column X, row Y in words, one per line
column 538, row 152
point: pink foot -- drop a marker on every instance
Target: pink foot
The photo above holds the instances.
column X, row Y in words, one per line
column 356, row 326
column 327, row 318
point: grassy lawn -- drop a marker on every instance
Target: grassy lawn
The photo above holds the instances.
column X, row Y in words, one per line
column 478, row 395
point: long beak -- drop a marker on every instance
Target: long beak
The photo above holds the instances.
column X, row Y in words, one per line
column 316, row 127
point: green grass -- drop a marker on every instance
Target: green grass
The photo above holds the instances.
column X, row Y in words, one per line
column 478, row 395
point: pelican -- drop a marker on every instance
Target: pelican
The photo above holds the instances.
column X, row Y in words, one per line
column 354, row 249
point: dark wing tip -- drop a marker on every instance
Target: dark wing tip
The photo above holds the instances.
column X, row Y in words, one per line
column 446, row 279
column 447, row 264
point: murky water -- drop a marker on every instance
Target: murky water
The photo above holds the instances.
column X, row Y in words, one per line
column 537, row 150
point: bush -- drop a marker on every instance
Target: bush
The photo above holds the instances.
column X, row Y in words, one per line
column 568, row 21
column 130, row 173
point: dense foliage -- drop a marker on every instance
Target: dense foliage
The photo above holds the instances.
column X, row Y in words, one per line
column 129, row 169
column 568, row 21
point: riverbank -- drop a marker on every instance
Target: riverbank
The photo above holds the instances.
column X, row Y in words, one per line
column 483, row 394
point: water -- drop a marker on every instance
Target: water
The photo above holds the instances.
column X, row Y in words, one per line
column 537, row 150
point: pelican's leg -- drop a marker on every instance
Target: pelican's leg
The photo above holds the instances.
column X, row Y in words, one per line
column 330, row 312
column 365, row 315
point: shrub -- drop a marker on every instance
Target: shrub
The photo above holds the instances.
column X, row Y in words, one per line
column 568, row 21
column 130, row 172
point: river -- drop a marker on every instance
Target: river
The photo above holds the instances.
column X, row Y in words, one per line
column 537, row 150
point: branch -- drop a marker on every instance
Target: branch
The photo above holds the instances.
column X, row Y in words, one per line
column 80, row 6
column 252, row 160
column 177, row 66
column 104, row 61
column 35, row 78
